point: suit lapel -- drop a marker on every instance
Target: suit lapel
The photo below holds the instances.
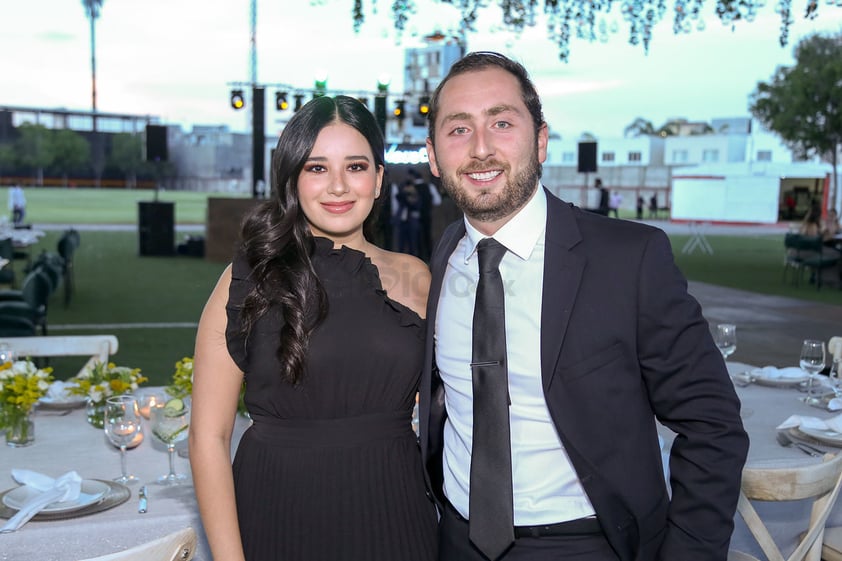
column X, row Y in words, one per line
column 563, row 269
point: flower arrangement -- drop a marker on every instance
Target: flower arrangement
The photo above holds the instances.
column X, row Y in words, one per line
column 182, row 379
column 182, row 383
column 99, row 381
column 102, row 380
column 22, row 384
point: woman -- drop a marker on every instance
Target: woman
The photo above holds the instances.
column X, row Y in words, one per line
column 326, row 330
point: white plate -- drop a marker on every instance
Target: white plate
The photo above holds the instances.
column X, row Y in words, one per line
column 69, row 403
column 761, row 378
column 825, row 435
column 91, row 492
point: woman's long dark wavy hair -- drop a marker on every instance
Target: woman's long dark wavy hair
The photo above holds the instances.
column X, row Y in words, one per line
column 276, row 238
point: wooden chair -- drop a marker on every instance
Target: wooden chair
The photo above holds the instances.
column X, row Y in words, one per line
column 820, row 482
column 178, row 546
column 98, row 347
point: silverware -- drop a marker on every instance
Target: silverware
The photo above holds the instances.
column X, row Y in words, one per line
column 141, row 506
column 785, row 440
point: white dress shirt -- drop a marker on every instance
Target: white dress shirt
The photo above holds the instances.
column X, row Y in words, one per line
column 546, row 488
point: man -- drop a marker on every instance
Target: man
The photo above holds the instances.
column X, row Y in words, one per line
column 604, row 206
column 614, row 203
column 601, row 339
column 428, row 197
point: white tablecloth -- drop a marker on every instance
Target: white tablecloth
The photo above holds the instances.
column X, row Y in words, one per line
column 68, row 442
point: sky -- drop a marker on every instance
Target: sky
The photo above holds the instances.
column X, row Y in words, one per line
column 176, row 59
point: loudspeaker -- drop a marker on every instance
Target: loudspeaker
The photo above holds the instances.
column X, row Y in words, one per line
column 587, row 157
column 156, row 228
column 156, row 143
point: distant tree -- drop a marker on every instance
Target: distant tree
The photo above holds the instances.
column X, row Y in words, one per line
column 802, row 102
column 586, row 19
column 703, row 128
column 127, row 156
column 640, row 127
column 587, row 136
column 32, row 149
column 71, row 153
column 7, row 158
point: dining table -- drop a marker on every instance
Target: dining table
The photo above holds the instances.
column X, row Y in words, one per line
column 65, row 441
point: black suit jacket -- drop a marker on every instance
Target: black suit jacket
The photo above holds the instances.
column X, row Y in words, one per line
column 623, row 344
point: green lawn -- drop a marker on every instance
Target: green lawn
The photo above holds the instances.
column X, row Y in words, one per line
column 48, row 205
column 116, row 286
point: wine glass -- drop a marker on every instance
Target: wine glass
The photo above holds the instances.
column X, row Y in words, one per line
column 725, row 337
column 122, row 423
column 169, row 425
column 833, row 376
column 812, row 362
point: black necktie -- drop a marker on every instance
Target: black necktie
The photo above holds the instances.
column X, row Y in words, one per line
column 491, row 524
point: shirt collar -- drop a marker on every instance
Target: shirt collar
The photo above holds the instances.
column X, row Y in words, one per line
column 520, row 234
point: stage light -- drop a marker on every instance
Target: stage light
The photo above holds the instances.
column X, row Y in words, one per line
column 399, row 110
column 281, row 103
column 424, row 105
column 299, row 101
column 320, row 85
column 237, row 99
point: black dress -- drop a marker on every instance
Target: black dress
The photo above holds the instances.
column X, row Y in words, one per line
column 330, row 469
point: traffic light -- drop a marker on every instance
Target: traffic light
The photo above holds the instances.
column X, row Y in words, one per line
column 281, row 103
column 424, row 106
column 299, row 101
column 237, row 99
column 399, row 111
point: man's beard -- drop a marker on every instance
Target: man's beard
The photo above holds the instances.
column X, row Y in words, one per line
column 486, row 207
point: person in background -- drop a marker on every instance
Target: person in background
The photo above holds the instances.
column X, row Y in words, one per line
column 811, row 224
column 409, row 219
column 17, row 204
column 604, row 200
column 653, row 206
column 428, row 198
column 327, row 331
column 639, row 207
column 831, row 228
column 546, row 446
column 614, row 203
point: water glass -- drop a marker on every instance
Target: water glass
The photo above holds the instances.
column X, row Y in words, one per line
column 121, row 425
column 812, row 361
column 169, row 425
column 725, row 337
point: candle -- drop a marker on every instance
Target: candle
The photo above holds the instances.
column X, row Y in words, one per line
column 148, row 403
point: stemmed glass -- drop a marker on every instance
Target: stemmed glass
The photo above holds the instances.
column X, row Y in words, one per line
column 169, row 425
column 122, row 423
column 812, row 361
column 725, row 338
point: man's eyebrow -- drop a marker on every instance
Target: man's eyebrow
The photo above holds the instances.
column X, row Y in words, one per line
column 490, row 112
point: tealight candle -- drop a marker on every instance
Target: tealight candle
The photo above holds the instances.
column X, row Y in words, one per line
column 149, row 401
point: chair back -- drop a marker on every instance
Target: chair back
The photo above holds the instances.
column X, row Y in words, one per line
column 819, row 482
column 98, row 347
column 36, row 289
column 178, row 546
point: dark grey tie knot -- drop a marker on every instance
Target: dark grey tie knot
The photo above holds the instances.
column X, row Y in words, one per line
column 490, row 252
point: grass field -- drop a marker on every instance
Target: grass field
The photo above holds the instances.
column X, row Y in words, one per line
column 153, row 303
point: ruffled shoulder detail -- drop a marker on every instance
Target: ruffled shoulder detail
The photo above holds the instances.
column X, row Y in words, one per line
column 240, row 287
column 345, row 263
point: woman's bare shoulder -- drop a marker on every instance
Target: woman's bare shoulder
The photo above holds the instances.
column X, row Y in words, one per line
column 405, row 278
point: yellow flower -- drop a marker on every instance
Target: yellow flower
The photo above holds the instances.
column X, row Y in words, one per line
column 21, row 386
column 182, row 379
column 103, row 380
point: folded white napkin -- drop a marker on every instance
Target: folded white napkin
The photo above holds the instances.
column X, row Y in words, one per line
column 834, row 423
column 58, row 391
column 63, row 488
column 775, row 373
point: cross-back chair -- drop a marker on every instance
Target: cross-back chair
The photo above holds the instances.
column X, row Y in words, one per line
column 177, row 546
column 820, row 482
